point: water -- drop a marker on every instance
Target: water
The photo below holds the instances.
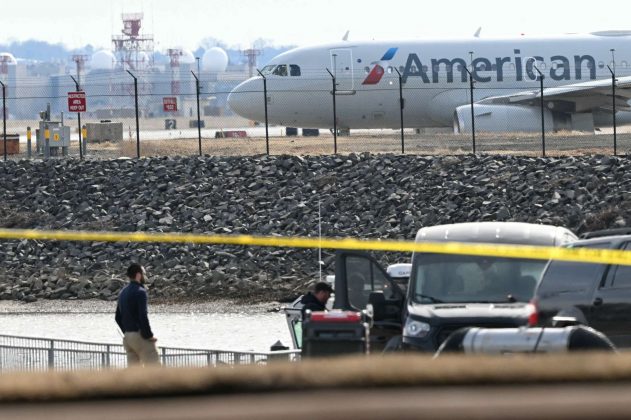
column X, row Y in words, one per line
column 217, row 325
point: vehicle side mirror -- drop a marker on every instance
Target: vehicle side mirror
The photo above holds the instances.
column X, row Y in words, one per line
column 378, row 302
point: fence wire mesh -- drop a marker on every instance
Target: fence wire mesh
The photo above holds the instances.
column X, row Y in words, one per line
column 300, row 115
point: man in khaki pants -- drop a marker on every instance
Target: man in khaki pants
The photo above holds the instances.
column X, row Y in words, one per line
column 131, row 317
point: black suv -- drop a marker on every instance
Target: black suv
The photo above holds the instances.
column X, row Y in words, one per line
column 598, row 295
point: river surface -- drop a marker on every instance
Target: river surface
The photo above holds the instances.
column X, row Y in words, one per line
column 216, row 325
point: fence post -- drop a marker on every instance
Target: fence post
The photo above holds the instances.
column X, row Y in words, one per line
column 472, row 109
column 613, row 97
column 401, row 105
column 79, row 121
column 4, row 117
column 51, row 355
column 334, row 112
column 137, row 118
column 543, row 123
column 108, row 361
column 265, row 106
column 199, row 122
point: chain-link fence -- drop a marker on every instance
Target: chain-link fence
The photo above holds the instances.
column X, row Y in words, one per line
column 310, row 112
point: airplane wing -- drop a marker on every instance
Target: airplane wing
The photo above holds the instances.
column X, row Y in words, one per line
column 577, row 97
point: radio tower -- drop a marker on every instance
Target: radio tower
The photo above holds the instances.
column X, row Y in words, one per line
column 251, row 54
column 5, row 60
column 174, row 60
column 133, row 48
column 80, row 61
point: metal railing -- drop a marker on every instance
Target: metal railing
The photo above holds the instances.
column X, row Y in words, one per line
column 36, row 354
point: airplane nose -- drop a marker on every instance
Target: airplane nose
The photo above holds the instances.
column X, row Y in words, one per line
column 247, row 99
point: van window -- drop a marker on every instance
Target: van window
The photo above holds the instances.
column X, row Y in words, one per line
column 468, row 279
column 570, row 277
column 621, row 273
column 294, row 70
column 362, row 280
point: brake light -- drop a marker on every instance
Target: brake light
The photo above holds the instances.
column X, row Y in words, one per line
column 341, row 317
column 533, row 313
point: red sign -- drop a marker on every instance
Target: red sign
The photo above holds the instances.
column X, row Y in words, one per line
column 169, row 104
column 76, row 102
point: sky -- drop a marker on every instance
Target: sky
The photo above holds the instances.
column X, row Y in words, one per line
column 185, row 23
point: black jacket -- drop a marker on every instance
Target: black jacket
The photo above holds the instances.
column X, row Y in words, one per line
column 312, row 303
column 131, row 312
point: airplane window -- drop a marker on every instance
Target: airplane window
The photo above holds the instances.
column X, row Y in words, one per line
column 367, row 69
column 555, row 66
column 268, row 69
column 413, row 69
column 542, row 65
column 601, row 65
column 589, row 65
column 294, row 70
column 624, row 64
column 425, row 68
column 390, row 69
column 494, row 67
column 511, row 66
column 280, row 70
column 402, row 69
column 458, row 67
column 359, row 60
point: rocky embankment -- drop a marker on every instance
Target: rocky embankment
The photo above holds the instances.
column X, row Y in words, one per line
column 383, row 196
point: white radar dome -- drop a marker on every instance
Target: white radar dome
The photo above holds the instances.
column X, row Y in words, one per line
column 215, row 60
column 8, row 58
column 187, row 57
column 103, row 60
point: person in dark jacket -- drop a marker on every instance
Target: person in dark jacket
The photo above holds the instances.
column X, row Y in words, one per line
column 132, row 318
column 316, row 300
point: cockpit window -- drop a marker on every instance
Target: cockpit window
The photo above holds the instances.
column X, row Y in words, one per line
column 268, row 70
column 294, row 70
column 280, row 70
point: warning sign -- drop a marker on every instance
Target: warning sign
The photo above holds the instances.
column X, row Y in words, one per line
column 76, row 102
column 169, row 104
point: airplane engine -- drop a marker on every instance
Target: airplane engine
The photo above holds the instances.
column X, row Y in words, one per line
column 506, row 118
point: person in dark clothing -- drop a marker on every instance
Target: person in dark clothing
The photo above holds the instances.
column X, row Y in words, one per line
column 316, row 300
column 132, row 318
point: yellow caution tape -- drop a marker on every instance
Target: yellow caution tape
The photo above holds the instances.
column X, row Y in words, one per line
column 586, row 255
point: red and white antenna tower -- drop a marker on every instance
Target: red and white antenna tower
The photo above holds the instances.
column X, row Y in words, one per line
column 251, row 54
column 133, row 48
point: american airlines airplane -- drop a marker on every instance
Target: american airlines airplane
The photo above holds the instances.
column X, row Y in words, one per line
column 435, row 81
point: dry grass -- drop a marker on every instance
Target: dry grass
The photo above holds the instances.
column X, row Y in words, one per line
column 388, row 141
column 349, row 372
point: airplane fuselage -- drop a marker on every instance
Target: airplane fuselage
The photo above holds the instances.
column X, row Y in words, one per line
column 434, row 76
